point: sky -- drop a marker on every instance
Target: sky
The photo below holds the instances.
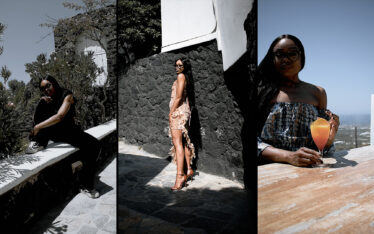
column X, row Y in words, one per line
column 23, row 38
column 338, row 38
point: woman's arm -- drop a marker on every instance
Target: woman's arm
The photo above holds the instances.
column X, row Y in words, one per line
column 302, row 157
column 181, row 82
column 54, row 119
column 334, row 119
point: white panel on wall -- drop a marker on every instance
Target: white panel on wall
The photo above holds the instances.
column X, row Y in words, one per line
column 190, row 22
column 99, row 56
column 231, row 36
column 186, row 22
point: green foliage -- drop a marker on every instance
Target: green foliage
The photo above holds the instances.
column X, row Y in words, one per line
column 76, row 73
column 2, row 28
column 10, row 127
column 5, row 73
column 17, row 90
column 139, row 24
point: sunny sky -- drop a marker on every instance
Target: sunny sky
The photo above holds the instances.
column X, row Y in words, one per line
column 338, row 39
column 23, row 37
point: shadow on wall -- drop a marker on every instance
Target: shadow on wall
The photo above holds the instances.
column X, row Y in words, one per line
column 215, row 211
column 238, row 80
column 195, row 126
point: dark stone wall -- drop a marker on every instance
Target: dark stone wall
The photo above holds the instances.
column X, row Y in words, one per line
column 223, row 122
column 144, row 96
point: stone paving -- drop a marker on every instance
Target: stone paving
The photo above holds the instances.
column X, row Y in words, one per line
column 209, row 204
column 83, row 214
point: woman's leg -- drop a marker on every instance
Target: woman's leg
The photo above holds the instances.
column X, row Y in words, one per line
column 179, row 154
column 90, row 150
column 43, row 111
column 187, row 154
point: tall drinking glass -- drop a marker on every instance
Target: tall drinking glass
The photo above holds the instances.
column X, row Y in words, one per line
column 320, row 130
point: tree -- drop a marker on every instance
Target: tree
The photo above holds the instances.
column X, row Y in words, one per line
column 17, row 90
column 2, row 28
column 87, row 24
column 5, row 73
column 10, row 120
column 139, row 23
column 76, row 73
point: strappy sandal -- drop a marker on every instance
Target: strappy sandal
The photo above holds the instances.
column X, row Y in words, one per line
column 179, row 183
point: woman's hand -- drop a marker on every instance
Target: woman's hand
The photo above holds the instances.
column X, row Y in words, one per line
column 35, row 131
column 334, row 121
column 334, row 126
column 304, row 157
column 46, row 99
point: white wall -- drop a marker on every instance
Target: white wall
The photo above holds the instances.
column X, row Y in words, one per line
column 87, row 45
column 190, row 22
column 372, row 121
column 186, row 22
column 232, row 38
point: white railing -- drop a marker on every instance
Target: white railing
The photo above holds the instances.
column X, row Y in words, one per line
column 372, row 121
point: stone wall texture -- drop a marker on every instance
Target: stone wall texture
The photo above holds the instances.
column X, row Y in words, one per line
column 144, row 96
column 222, row 121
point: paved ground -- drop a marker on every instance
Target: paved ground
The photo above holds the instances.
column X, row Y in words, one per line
column 83, row 214
column 209, row 204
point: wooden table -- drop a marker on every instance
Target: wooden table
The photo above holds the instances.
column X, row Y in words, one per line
column 338, row 199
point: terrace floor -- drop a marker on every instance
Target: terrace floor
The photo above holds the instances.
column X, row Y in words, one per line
column 209, row 204
column 83, row 214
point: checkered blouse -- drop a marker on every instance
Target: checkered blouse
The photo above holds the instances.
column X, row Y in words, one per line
column 288, row 127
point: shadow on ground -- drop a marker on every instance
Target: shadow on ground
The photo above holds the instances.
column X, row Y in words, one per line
column 46, row 224
column 214, row 211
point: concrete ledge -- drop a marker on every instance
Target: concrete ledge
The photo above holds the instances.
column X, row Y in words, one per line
column 15, row 170
column 31, row 184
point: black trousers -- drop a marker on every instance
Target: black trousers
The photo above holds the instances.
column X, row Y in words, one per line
column 72, row 134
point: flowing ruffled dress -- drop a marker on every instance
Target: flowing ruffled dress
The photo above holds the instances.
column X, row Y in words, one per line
column 181, row 120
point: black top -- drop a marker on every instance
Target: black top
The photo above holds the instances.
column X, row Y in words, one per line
column 56, row 103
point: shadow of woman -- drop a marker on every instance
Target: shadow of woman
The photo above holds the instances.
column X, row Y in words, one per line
column 341, row 161
column 195, row 126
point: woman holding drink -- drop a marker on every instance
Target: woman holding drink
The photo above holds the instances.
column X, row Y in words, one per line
column 287, row 106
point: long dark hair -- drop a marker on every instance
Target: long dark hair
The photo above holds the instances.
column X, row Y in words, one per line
column 267, row 79
column 187, row 71
column 54, row 82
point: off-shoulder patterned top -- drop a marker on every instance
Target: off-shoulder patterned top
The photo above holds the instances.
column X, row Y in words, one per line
column 288, row 127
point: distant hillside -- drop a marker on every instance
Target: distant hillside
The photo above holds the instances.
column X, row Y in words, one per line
column 357, row 120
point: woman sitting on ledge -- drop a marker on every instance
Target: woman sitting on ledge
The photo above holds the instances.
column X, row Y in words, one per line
column 54, row 120
column 287, row 106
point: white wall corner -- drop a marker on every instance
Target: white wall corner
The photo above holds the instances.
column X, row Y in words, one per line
column 372, row 121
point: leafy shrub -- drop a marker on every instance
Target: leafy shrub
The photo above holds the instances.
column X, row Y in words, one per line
column 76, row 73
column 10, row 126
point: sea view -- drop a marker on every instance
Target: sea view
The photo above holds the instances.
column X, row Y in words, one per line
column 345, row 139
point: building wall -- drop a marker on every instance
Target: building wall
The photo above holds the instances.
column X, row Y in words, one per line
column 144, row 96
column 106, row 22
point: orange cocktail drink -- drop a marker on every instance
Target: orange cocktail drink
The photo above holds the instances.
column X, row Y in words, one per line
column 320, row 130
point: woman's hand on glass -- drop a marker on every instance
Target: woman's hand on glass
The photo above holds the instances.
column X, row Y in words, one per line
column 304, row 157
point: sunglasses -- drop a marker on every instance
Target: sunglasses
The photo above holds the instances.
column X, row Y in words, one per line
column 292, row 55
column 47, row 86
